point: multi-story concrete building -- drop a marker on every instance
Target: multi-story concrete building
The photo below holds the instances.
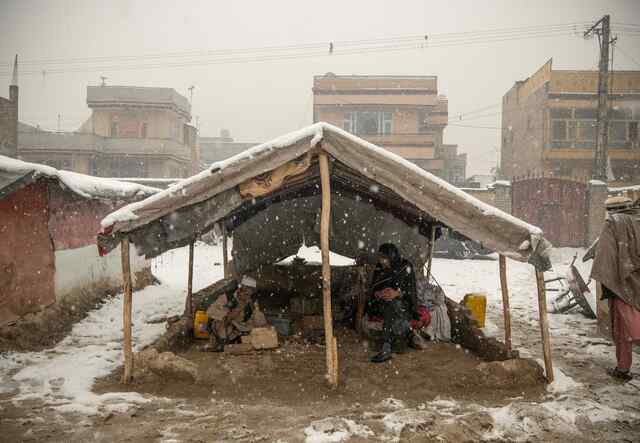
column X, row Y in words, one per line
column 549, row 125
column 9, row 117
column 132, row 132
column 404, row 114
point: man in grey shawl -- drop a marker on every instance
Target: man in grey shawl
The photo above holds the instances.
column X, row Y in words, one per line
column 617, row 268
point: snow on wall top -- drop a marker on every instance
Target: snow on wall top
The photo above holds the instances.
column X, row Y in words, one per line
column 84, row 185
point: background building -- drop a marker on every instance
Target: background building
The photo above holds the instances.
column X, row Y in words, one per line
column 132, row 132
column 404, row 114
column 9, row 117
column 549, row 125
column 213, row 149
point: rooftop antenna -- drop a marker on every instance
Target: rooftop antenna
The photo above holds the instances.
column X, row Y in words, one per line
column 14, row 78
column 191, row 88
column 103, row 79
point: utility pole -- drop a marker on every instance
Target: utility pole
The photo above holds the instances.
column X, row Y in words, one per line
column 602, row 29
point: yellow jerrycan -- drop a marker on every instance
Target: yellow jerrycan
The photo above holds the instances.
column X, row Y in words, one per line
column 200, row 325
column 477, row 303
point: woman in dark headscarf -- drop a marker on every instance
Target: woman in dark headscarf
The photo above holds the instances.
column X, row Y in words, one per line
column 392, row 296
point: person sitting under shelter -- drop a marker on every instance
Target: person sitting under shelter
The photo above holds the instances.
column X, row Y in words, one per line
column 617, row 268
column 392, row 296
column 233, row 315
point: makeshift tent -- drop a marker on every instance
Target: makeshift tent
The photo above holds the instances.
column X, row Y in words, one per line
column 291, row 184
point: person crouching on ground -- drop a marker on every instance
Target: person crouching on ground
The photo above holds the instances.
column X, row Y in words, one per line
column 230, row 315
column 617, row 268
column 392, row 296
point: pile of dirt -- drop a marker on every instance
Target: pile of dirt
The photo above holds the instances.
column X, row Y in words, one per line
column 44, row 329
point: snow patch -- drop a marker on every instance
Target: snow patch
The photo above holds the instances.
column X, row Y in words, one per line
column 335, row 429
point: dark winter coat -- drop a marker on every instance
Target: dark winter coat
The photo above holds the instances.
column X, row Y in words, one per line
column 399, row 276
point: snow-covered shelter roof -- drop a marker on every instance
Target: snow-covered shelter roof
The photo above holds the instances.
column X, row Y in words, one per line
column 175, row 216
column 14, row 174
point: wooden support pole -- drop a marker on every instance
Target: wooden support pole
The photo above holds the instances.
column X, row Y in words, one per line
column 325, row 221
column 544, row 326
column 189, row 303
column 506, row 311
column 432, row 245
column 126, row 312
column 225, row 252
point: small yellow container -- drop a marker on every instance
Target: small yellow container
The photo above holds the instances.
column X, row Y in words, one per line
column 200, row 325
column 477, row 304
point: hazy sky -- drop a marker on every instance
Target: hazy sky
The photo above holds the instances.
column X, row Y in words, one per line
column 258, row 101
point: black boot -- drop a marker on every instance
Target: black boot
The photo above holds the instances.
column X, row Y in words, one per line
column 383, row 355
column 219, row 346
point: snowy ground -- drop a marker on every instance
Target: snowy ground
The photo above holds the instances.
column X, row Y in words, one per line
column 582, row 399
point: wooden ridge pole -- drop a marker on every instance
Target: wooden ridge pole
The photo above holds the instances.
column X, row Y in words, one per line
column 225, row 252
column 544, row 326
column 189, row 307
column 506, row 311
column 325, row 221
column 432, row 245
column 126, row 312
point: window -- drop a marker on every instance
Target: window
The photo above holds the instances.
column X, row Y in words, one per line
column 559, row 130
column 143, row 130
column 587, row 130
column 349, row 122
column 113, row 132
column 633, row 131
column 368, row 122
column 618, row 130
column 386, row 123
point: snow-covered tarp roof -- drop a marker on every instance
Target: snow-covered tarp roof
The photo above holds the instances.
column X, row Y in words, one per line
column 176, row 215
column 16, row 173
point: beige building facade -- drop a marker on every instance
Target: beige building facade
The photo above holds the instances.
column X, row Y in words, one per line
column 132, row 132
column 404, row 114
column 549, row 125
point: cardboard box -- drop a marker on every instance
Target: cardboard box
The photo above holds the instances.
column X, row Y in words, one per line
column 264, row 338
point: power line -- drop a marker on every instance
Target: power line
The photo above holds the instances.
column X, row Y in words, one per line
column 289, row 52
column 629, row 56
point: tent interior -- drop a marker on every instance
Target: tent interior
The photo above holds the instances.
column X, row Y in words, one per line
column 272, row 199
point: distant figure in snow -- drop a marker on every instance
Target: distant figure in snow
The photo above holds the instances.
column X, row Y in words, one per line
column 617, row 267
column 392, row 296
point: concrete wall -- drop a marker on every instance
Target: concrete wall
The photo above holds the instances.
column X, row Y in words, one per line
column 81, row 267
column 523, row 134
column 161, row 123
column 9, row 123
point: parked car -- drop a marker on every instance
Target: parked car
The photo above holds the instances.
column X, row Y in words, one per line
column 452, row 244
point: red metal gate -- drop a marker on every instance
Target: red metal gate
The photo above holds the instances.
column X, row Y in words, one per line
column 556, row 205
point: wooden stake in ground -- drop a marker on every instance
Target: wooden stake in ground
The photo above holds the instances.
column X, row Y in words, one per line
column 432, row 245
column 544, row 326
column 225, row 257
column 126, row 313
column 189, row 307
column 325, row 221
column 506, row 311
